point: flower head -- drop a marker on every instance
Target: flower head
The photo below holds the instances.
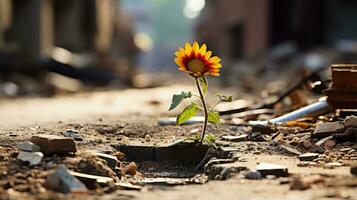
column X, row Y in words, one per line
column 197, row 61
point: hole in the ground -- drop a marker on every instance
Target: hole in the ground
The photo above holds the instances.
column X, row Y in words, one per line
column 157, row 162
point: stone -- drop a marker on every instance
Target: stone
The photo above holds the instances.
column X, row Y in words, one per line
column 73, row 134
column 316, row 149
column 354, row 168
column 303, row 183
column 112, row 161
column 130, row 169
column 329, row 144
column 308, row 156
column 91, row 181
column 253, row 175
column 322, row 141
column 272, row 169
column 232, row 138
column 288, row 150
column 333, row 165
column 328, row 129
column 63, row 181
column 350, row 121
column 224, row 171
column 34, row 158
column 51, row 144
column 29, row 146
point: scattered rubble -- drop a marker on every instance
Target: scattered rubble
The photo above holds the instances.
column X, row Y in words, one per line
column 112, row 161
column 73, row 134
column 272, row 169
column 51, row 144
column 62, row 181
column 34, row 158
column 308, row 156
column 29, row 146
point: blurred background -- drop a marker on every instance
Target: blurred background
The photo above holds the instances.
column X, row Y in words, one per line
column 64, row 46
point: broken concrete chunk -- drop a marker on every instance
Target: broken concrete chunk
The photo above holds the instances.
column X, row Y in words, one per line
column 51, row 144
column 91, row 181
column 308, row 156
column 112, row 161
column 29, row 146
column 350, row 121
column 288, row 150
column 65, row 182
column 327, row 129
column 34, row 158
column 272, row 169
column 73, row 134
column 239, row 138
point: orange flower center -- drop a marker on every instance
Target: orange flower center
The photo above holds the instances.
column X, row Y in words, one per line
column 196, row 66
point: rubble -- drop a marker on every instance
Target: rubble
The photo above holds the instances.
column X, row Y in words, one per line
column 272, row 169
column 308, row 156
column 288, row 150
column 130, row 169
column 238, row 138
column 112, row 161
column 253, row 175
column 327, row 129
column 73, row 134
column 51, row 144
column 303, row 183
column 91, row 181
column 62, row 180
column 29, row 146
column 34, row 158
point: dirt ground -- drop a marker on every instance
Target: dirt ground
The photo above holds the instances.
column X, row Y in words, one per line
column 131, row 116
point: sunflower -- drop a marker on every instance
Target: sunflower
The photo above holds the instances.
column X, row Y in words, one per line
column 197, row 61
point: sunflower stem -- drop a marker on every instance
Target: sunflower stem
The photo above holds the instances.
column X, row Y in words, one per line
column 202, row 97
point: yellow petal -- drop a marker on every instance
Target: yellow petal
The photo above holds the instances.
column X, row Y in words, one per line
column 188, row 48
column 203, row 49
column 215, row 59
column 216, row 66
column 196, row 48
column 208, row 54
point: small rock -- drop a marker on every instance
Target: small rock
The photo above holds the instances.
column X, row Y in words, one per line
column 272, row 169
column 147, row 138
column 29, row 146
column 308, row 156
column 345, row 149
column 120, row 155
column 306, row 144
column 253, row 175
column 332, row 165
column 130, row 169
column 112, row 161
column 34, row 158
column 329, row 144
column 303, row 183
column 288, row 150
column 350, row 121
column 316, row 149
column 354, row 168
column 64, row 182
column 307, row 164
column 327, row 129
column 73, row 134
column 232, row 138
column 224, row 171
column 51, row 144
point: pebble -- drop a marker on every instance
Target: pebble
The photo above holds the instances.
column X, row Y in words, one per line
column 130, row 169
column 29, row 146
column 34, row 158
column 332, row 165
column 288, row 150
column 62, row 180
column 51, row 144
column 253, row 175
column 73, row 134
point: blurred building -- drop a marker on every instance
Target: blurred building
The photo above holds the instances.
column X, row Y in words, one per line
column 66, row 37
column 245, row 28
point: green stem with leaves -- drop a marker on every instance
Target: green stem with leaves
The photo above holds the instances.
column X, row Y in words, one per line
column 205, row 111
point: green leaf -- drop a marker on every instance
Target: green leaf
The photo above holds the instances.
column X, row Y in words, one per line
column 225, row 98
column 204, row 84
column 213, row 117
column 210, row 138
column 187, row 113
column 178, row 98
